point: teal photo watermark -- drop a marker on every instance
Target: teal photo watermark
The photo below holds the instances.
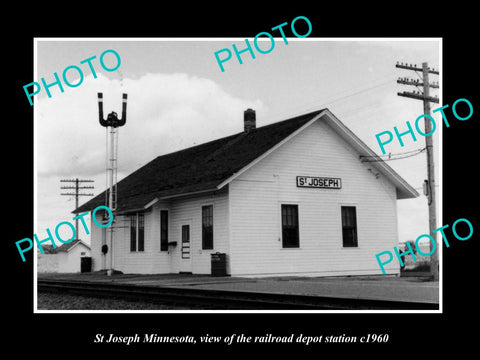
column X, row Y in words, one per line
column 388, row 255
column 389, row 135
column 227, row 53
column 67, row 73
column 57, row 230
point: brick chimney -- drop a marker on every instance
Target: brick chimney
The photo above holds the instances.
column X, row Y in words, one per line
column 249, row 121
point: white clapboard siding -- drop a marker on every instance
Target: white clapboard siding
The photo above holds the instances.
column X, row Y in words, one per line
column 153, row 261
column 149, row 261
column 189, row 211
column 256, row 196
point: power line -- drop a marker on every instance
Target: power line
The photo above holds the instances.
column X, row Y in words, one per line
column 326, row 101
column 391, row 156
column 360, row 91
column 402, row 153
column 421, row 187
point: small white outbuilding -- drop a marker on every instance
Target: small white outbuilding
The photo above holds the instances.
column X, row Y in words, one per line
column 63, row 259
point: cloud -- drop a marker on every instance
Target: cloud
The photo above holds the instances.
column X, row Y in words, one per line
column 166, row 112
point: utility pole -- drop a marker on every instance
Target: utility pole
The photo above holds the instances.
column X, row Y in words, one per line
column 77, row 193
column 424, row 95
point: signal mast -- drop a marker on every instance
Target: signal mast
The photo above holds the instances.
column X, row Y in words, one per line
column 111, row 124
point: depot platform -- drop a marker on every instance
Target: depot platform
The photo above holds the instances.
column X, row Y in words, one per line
column 408, row 289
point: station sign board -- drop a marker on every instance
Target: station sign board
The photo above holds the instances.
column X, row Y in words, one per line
column 319, row 182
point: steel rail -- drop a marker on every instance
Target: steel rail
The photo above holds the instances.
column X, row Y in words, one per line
column 223, row 299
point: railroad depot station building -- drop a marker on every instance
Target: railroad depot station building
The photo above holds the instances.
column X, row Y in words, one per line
column 289, row 198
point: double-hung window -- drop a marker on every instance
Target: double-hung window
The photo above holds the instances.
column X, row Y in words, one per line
column 207, row 227
column 163, row 230
column 137, row 232
column 349, row 226
column 290, row 231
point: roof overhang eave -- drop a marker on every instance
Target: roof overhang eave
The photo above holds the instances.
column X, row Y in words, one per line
column 167, row 197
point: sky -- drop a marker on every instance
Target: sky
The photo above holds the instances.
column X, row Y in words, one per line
column 179, row 97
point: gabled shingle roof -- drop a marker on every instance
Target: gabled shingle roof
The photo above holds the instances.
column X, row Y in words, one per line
column 49, row 249
column 198, row 168
column 207, row 166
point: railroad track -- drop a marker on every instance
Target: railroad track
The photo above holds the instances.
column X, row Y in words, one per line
column 220, row 299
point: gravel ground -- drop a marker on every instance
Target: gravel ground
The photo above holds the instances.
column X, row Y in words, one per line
column 47, row 301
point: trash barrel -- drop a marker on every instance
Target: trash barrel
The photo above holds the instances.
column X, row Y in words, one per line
column 86, row 264
column 219, row 264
